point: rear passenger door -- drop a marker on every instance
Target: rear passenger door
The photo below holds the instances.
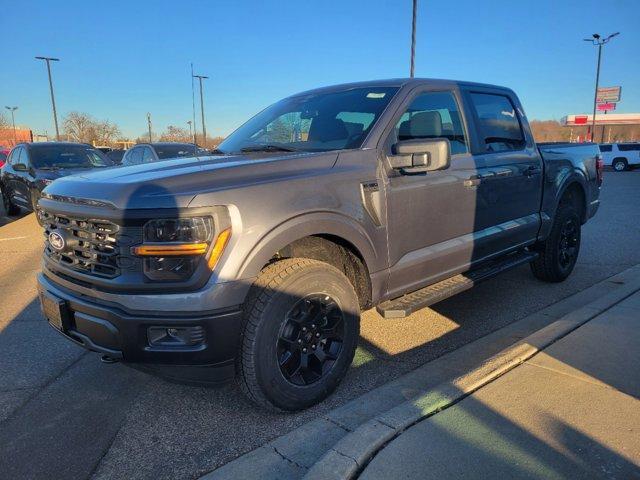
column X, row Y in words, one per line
column 509, row 185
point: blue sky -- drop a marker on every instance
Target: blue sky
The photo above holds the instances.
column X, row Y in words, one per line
column 122, row 59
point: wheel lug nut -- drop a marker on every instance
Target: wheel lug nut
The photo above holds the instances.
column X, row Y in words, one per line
column 313, row 325
column 318, row 335
column 304, row 350
column 313, row 347
column 299, row 340
column 304, row 329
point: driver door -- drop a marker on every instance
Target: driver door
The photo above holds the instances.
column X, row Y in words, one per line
column 431, row 216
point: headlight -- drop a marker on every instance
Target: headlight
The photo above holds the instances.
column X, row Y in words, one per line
column 174, row 248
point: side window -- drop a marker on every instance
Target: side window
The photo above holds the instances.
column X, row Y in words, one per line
column 433, row 115
column 499, row 126
column 605, row 148
column 18, row 156
column 133, row 157
column 628, row 147
column 147, row 155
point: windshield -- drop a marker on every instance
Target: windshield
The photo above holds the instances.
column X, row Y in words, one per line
column 175, row 151
column 312, row 123
column 67, row 156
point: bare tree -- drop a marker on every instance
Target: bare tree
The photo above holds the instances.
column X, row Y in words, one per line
column 4, row 123
column 176, row 134
column 81, row 127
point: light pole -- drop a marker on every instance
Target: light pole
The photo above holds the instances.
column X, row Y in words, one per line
column 413, row 37
column 53, row 100
column 599, row 42
column 149, row 125
column 190, row 132
column 13, row 121
column 204, row 129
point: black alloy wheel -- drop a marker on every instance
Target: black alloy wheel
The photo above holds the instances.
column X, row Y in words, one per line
column 311, row 339
column 569, row 243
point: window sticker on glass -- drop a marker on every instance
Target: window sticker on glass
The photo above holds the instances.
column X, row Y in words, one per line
column 376, row 95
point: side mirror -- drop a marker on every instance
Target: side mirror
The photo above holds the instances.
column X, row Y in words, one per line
column 20, row 167
column 421, row 155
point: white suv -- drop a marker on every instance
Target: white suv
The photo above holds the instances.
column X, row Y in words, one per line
column 620, row 156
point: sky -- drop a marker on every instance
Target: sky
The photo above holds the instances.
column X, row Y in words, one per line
column 122, row 59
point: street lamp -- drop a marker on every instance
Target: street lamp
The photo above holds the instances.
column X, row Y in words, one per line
column 53, row 100
column 599, row 42
column 149, row 125
column 13, row 121
column 204, row 129
column 413, row 37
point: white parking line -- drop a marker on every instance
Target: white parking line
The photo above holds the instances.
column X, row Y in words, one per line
column 11, row 238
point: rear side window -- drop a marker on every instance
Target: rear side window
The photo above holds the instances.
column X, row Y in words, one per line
column 628, row 147
column 499, row 126
column 134, row 157
column 605, row 148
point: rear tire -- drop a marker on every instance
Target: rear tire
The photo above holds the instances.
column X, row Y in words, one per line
column 620, row 164
column 302, row 323
column 559, row 252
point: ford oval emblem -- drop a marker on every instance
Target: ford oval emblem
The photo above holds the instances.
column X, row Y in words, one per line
column 57, row 241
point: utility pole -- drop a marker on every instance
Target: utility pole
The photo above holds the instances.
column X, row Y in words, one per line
column 204, row 129
column 193, row 107
column 413, row 37
column 13, row 121
column 53, row 100
column 190, row 134
column 149, row 125
column 598, row 41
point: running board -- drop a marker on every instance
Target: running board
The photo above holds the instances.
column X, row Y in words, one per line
column 407, row 304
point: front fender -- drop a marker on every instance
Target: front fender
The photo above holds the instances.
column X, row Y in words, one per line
column 317, row 223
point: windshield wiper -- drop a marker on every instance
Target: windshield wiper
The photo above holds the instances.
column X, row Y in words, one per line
column 267, row 148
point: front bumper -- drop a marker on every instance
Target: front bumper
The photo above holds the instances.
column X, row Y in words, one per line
column 120, row 335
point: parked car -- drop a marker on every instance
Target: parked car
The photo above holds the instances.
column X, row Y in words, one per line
column 32, row 166
column 152, row 152
column 4, row 153
column 621, row 156
column 257, row 261
column 115, row 156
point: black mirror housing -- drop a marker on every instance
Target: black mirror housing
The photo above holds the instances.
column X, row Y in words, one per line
column 421, row 155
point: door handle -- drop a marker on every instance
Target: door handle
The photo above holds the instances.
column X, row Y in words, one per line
column 472, row 181
column 532, row 170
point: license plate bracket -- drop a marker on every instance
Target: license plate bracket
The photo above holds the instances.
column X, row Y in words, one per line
column 55, row 310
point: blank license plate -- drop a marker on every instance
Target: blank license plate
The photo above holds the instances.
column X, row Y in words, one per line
column 53, row 309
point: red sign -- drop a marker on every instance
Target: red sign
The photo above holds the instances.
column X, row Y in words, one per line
column 604, row 107
column 581, row 120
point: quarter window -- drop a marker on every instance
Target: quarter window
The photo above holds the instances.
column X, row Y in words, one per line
column 499, row 126
column 147, row 155
column 433, row 115
column 605, row 148
column 628, row 147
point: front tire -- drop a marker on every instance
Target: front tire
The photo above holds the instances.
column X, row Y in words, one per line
column 302, row 323
column 558, row 254
column 9, row 208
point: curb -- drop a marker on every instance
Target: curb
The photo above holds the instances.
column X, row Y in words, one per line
column 351, row 454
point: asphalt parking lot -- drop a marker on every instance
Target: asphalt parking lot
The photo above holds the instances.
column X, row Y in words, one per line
column 64, row 414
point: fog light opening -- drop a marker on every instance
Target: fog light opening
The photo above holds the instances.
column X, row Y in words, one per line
column 173, row 336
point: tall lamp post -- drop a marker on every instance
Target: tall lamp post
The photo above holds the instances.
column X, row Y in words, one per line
column 53, row 100
column 13, row 121
column 413, row 37
column 190, row 130
column 204, row 129
column 149, row 125
column 598, row 41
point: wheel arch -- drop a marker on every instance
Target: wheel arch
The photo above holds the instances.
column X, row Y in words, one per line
column 326, row 237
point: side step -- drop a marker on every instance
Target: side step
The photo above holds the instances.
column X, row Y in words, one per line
column 407, row 304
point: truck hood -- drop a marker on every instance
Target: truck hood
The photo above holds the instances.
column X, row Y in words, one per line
column 175, row 183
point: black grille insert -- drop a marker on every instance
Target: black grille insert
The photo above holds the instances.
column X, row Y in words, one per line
column 88, row 246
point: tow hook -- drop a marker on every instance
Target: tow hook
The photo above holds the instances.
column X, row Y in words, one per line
column 108, row 359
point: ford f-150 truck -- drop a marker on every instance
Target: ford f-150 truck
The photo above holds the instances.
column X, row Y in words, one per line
column 255, row 261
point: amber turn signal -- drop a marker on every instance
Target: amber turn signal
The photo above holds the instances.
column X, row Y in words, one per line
column 218, row 247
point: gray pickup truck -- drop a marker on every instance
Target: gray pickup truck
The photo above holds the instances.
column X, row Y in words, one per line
column 255, row 261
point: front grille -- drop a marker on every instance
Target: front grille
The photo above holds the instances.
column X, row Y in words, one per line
column 89, row 246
